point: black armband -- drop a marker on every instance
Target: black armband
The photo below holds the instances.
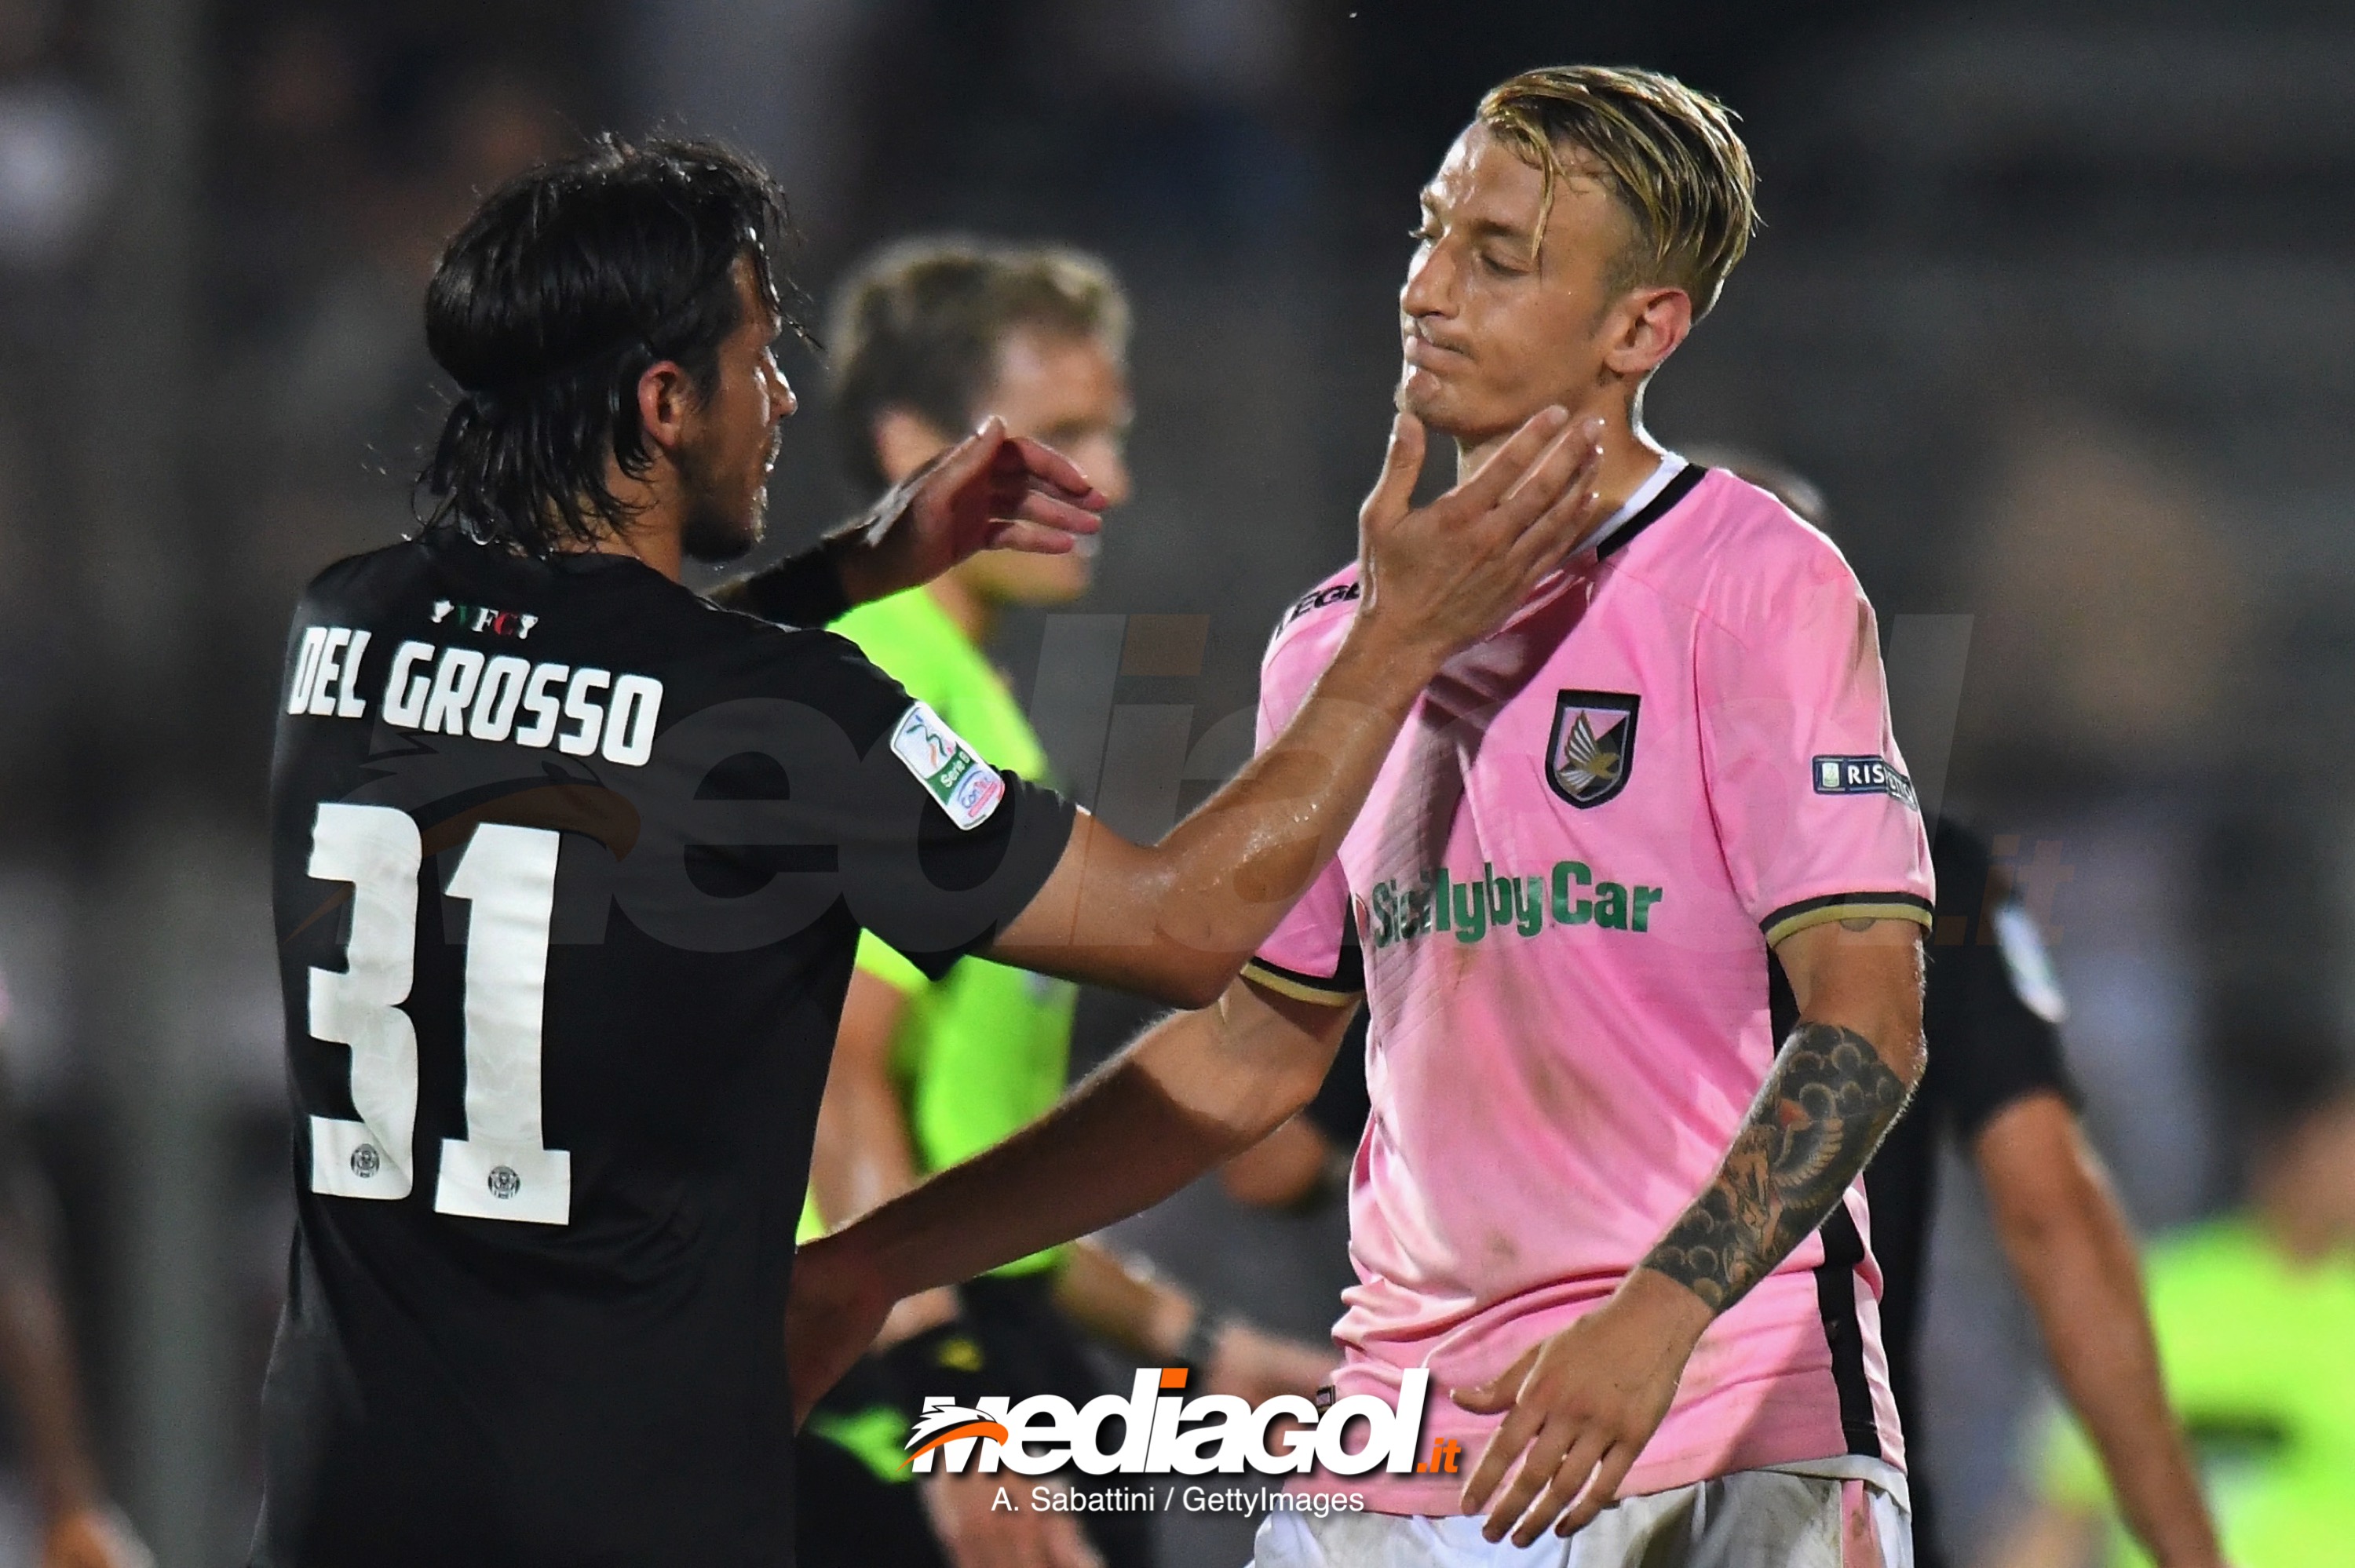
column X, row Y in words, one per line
column 804, row 590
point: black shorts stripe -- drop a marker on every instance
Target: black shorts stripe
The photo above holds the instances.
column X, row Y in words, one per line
column 1835, row 1302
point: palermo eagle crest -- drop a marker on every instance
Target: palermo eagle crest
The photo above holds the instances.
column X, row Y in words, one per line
column 1593, row 747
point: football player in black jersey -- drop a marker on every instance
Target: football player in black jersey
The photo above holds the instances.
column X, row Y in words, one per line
column 568, row 865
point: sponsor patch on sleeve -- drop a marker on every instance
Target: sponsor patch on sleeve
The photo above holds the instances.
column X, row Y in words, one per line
column 1862, row 775
column 967, row 787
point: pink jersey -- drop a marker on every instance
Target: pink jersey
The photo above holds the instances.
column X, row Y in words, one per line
column 1563, row 887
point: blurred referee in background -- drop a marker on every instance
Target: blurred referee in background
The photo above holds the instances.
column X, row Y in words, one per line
column 931, row 336
column 1995, row 1083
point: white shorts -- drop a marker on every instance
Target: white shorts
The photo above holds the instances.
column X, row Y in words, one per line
column 1749, row 1518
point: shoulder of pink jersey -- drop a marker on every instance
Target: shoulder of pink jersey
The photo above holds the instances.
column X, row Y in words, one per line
column 1317, row 620
column 1762, row 560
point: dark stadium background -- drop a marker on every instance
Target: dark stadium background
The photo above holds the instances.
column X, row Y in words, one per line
column 2054, row 301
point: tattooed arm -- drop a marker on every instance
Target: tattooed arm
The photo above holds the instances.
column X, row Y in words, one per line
column 1580, row 1407
column 1818, row 1118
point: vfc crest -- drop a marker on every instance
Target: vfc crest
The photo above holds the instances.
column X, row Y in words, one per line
column 1593, row 747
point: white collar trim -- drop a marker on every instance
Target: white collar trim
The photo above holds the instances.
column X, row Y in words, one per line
column 1671, row 464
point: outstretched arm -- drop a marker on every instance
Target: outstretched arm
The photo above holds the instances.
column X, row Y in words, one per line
column 1580, row 1407
column 864, row 1155
column 1192, row 1090
column 1176, row 921
column 1289, row 1168
column 2073, row 1254
column 988, row 491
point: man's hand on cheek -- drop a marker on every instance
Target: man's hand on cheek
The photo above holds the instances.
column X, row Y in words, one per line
column 989, row 491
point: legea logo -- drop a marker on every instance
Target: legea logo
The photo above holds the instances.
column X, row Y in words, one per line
column 1163, row 1433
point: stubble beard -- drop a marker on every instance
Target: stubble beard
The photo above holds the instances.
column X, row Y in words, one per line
column 719, row 527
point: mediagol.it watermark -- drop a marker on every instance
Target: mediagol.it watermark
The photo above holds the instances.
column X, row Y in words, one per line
column 1164, row 1432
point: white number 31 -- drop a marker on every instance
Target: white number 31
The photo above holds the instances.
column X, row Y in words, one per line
column 502, row 1170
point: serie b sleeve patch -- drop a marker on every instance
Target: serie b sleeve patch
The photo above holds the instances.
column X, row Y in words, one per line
column 967, row 787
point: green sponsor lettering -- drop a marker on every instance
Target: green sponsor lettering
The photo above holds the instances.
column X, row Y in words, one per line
column 1476, row 908
column 1566, row 912
column 1471, row 902
column 1503, row 901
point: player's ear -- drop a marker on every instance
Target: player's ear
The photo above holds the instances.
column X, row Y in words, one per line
column 1644, row 328
column 905, row 441
column 667, row 399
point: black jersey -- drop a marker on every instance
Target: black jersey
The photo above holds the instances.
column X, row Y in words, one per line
column 568, row 868
column 1990, row 1010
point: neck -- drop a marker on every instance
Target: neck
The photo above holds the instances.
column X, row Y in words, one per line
column 657, row 524
column 974, row 615
column 1629, row 456
column 657, row 549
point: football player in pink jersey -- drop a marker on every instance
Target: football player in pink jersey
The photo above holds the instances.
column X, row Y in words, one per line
column 1599, row 1201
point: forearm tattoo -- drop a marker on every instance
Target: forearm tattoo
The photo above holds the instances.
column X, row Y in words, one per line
column 1819, row 1115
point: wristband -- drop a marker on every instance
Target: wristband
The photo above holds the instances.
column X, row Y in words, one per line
column 804, row 590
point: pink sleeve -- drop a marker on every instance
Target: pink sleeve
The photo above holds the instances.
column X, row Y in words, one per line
column 1313, row 953
column 1815, row 813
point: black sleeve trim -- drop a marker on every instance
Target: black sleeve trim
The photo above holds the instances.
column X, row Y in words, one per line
column 804, row 590
column 1039, row 835
column 1845, row 906
column 1300, row 987
column 1346, row 983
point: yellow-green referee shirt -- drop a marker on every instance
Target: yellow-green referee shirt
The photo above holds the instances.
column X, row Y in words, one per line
column 983, row 1050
